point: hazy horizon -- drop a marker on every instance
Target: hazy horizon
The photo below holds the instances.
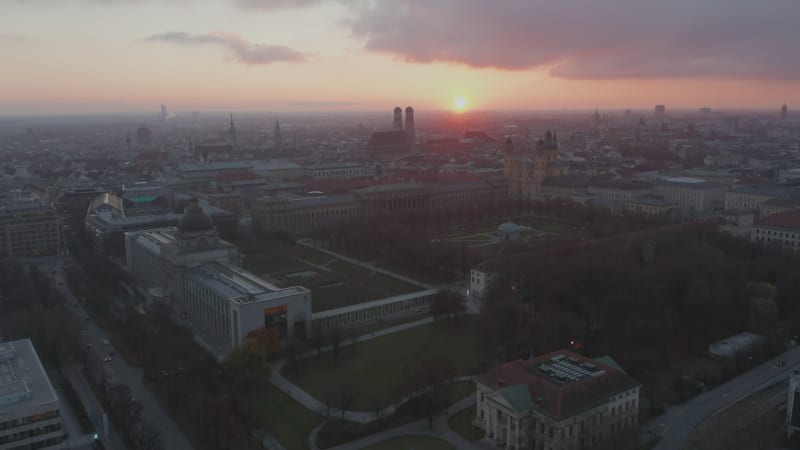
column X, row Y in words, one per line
column 93, row 56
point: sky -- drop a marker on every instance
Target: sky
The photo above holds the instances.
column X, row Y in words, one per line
column 88, row 56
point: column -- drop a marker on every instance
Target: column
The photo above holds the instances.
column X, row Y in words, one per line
column 508, row 431
column 479, row 404
column 490, row 415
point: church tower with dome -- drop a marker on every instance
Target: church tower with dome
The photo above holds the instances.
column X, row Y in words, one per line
column 527, row 169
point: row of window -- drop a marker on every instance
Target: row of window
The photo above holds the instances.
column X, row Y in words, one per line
column 782, row 234
column 41, row 444
column 27, row 434
column 28, row 420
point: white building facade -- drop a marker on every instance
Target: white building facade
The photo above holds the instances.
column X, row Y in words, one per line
column 559, row 401
column 30, row 416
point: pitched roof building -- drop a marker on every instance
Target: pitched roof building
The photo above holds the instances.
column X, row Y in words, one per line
column 557, row 401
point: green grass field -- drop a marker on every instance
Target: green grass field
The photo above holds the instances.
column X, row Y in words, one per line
column 412, row 443
column 461, row 423
column 381, row 365
column 333, row 283
column 288, row 421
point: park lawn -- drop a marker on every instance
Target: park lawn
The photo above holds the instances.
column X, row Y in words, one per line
column 380, row 365
column 461, row 389
column 411, row 443
column 285, row 419
column 461, row 423
column 336, row 432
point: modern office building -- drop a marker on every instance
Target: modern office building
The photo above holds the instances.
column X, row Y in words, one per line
column 226, row 303
column 558, row 401
column 28, row 228
column 30, row 417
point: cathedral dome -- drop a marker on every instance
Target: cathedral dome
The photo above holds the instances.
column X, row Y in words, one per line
column 195, row 219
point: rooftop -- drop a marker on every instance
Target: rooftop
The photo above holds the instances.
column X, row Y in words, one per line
column 767, row 191
column 788, row 219
column 620, row 183
column 392, row 137
column 392, row 187
column 559, row 384
column 23, row 381
column 239, row 285
column 732, row 345
column 690, row 183
column 216, row 165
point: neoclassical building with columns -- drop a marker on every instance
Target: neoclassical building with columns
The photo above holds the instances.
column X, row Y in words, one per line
column 558, row 401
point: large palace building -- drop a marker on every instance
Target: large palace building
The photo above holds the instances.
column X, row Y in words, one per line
column 526, row 170
column 558, row 401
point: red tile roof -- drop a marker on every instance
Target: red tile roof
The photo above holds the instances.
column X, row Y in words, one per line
column 558, row 399
column 788, row 219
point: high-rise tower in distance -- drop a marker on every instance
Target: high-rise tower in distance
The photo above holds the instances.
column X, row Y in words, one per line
column 410, row 131
column 661, row 112
column 164, row 115
column 398, row 118
column 278, row 140
column 784, row 111
column 232, row 134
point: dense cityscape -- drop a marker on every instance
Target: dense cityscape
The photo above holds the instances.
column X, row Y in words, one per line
column 399, row 226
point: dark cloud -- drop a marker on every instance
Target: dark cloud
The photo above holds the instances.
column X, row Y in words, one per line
column 588, row 39
column 242, row 50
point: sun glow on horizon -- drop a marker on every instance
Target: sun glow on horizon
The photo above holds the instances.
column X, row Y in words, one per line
column 460, row 104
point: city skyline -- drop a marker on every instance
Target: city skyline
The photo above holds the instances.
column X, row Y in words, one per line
column 89, row 56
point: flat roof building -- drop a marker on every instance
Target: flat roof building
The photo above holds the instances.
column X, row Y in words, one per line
column 28, row 228
column 29, row 407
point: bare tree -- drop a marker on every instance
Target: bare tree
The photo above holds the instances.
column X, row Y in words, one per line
column 346, row 397
column 147, row 437
column 335, row 337
column 319, row 337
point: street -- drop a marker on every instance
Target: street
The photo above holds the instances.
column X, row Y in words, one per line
column 121, row 371
column 677, row 422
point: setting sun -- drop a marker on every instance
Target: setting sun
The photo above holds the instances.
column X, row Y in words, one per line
column 460, row 103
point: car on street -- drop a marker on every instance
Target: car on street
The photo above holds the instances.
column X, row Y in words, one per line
column 105, row 342
column 107, row 359
column 780, row 363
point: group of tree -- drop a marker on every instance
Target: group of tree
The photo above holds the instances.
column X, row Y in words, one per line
column 190, row 382
column 699, row 287
column 448, row 305
column 33, row 308
column 428, row 387
column 126, row 415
